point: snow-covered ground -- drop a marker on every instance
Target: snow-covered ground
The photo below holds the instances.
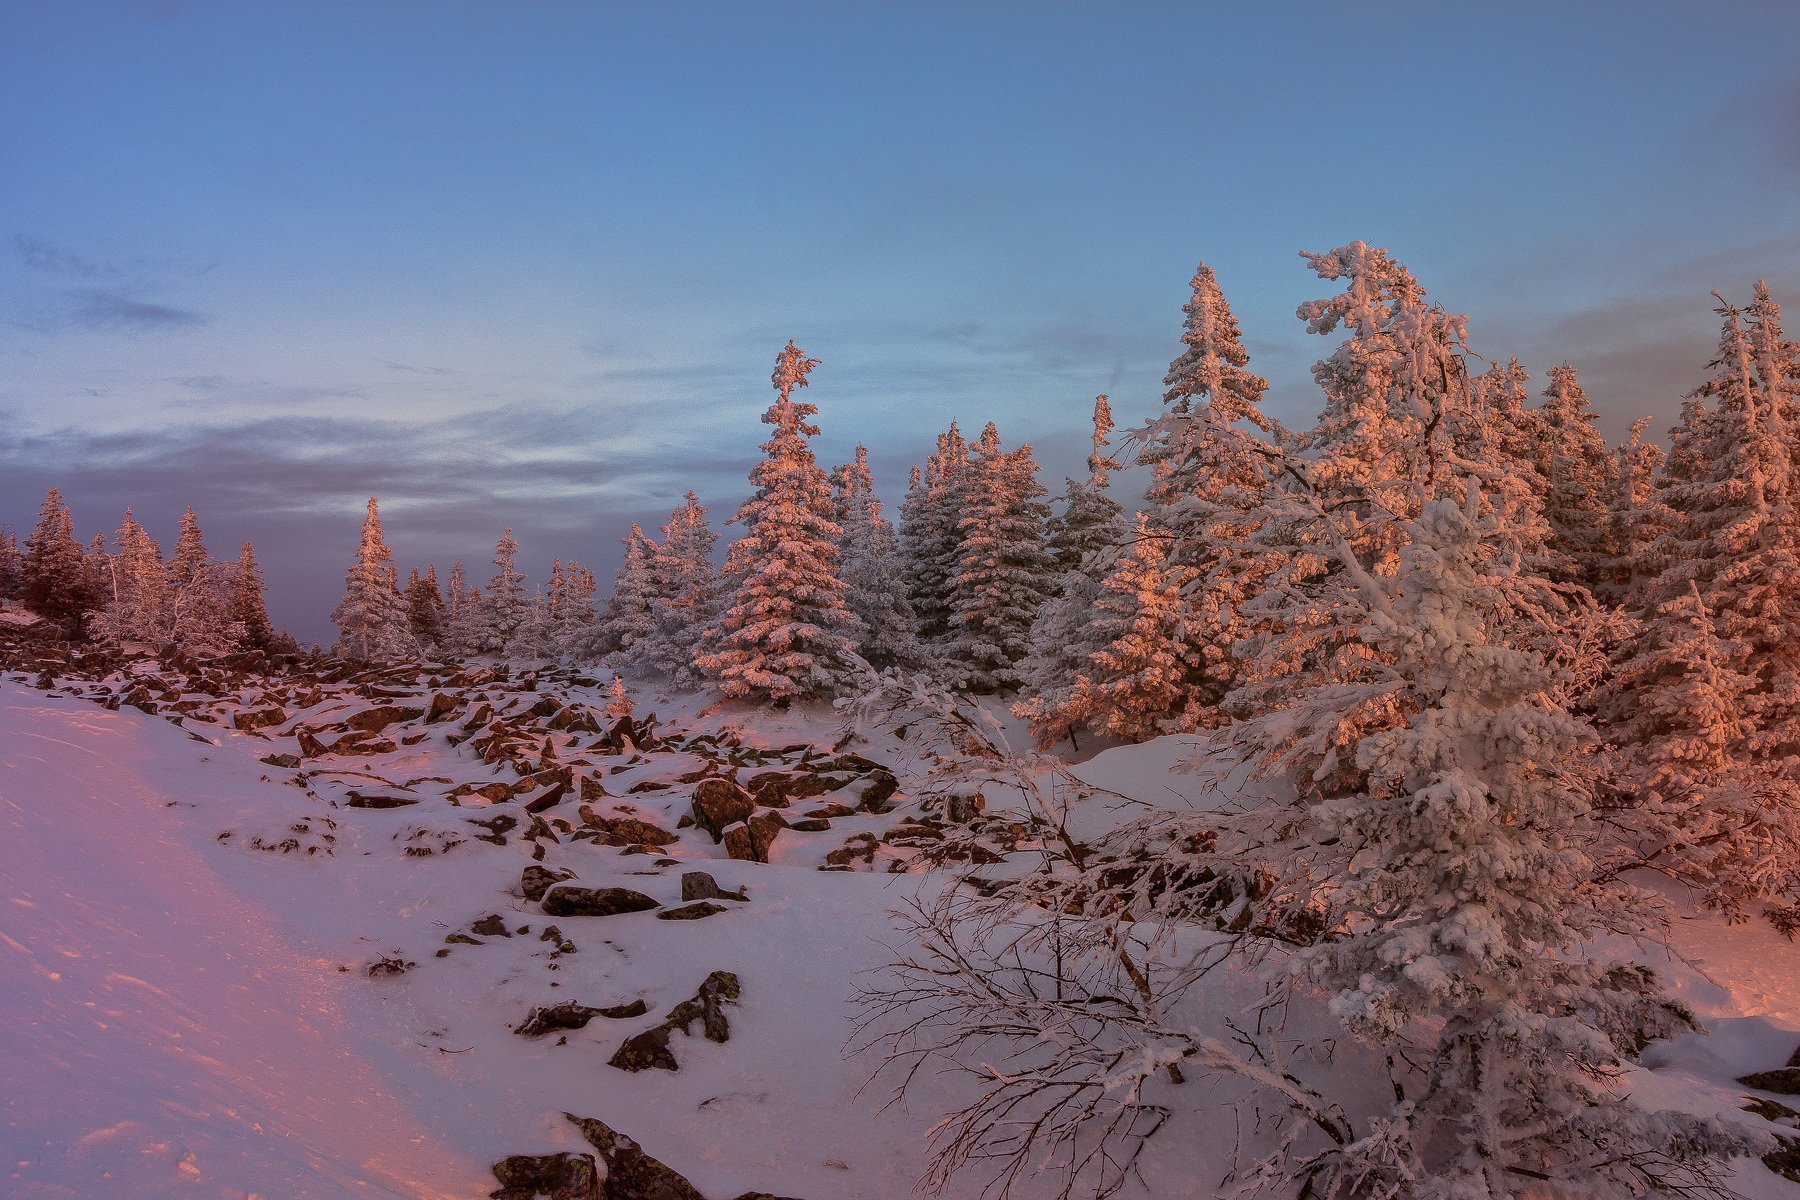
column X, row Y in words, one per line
column 183, row 1015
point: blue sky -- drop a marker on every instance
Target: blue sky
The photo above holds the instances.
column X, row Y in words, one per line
column 530, row 263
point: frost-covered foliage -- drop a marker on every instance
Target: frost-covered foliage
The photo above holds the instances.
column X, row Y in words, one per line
column 872, row 570
column 1084, row 539
column 1210, row 451
column 1449, row 892
column 465, row 615
column 372, row 618
column 1005, row 572
column 630, row 620
column 137, row 590
column 786, row 632
column 425, row 608
column 1705, row 700
column 1580, row 477
column 506, row 606
column 12, row 564
column 1142, row 679
column 688, row 595
column 931, row 535
column 55, row 577
column 249, row 609
column 572, row 618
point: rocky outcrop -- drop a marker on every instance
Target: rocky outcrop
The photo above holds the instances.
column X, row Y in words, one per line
column 567, row 900
column 553, row 1176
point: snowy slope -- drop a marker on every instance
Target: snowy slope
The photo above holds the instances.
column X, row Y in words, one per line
column 185, row 1016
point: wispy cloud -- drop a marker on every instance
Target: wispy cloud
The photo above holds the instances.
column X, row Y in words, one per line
column 40, row 255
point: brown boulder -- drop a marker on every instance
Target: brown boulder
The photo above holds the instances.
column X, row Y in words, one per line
column 720, row 802
column 569, row 901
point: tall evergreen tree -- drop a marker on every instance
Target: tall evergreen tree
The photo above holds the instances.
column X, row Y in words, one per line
column 372, row 618
column 1006, row 571
column 786, row 632
column 630, row 623
column 56, row 582
column 12, row 565
column 877, row 593
column 931, row 535
column 689, row 592
column 136, row 607
column 249, row 613
column 507, row 606
column 1579, row 470
column 1211, row 452
column 1056, row 696
column 1141, row 677
column 425, row 608
column 199, row 594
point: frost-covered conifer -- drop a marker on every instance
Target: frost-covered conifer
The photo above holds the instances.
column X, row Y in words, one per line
column 1006, row 571
column 12, row 565
column 56, row 582
column 871, row 569
column 1728, row 581
column 466, row 621
column 199, row 594
column 630, row 623
column 689, row 593
column 573, row 620
column 786, row 631
column 372, row 619
column 137, row 590
column 1452, row 889
column 931, row 535
column 507, row 605
column 425, row 608
column 1636, row 517
column 1579, row 471
column 249, row 613
column 1084, row 538
column 1210, row 451
column 1141, row 680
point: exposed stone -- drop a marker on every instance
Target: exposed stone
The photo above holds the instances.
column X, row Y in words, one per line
column 750, row 841
column 289, row 761
column 374, row 720
column 359, row 800
column 570, row 901
column 646, row 1051
column 630, row 1173
column 1785, row 1081
column 690, row 912
column 443, row 704
column 567, row 1015
column 708, row 1007
column 534, row 881
column 562, row 1176
column 492, row 925
column 699, row 885
column 719, row 802
column 810, row 825
column 875, row 794
column 260, row 718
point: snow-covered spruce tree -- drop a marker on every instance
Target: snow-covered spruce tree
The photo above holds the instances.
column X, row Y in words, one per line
column 55, row 580
column 786, row 632
column 1140, row 681
column 466, row 621
column 137, row 590
column 931, row 535
column 1084, row 538
column 199, row 595
column 425, row 609
column 1726, row 596
column 1698, row 808
column 1209, row 451
column 871, row 568
column 372, row 619
column 688, row 596
column 507, row 605
column 12, row 564
column 1380, row 448
column 1451, row 892
column 630, row 621
column 1006, row 571
column 1635, row 516
column 1497, row 438
column 249, row 611
column 1579, row 469
column 573, row 625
